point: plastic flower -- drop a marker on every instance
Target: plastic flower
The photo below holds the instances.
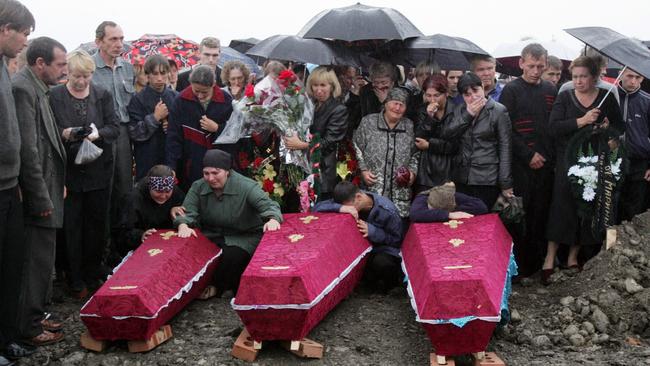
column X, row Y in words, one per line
column 269, row 173
column 268, row 186
column 278, row 190
column 588, row 194
column 342, row 170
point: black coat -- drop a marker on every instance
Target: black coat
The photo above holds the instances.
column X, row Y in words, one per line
column 485, row 157
column 435, row 163
column 99, row 173
column 331, row 123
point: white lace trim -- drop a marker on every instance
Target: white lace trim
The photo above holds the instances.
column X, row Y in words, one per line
column 318, row 298
column 179, row 294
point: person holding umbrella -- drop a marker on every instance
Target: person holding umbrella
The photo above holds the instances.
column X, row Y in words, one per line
column 585, row 107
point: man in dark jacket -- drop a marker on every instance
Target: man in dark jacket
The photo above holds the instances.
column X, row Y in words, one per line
column 42, row 180
column 149, row 111
column 635, row 104
column 198, row 116
column 15, row 25
column 529, row 100
column 209, row 53
column 380, row 222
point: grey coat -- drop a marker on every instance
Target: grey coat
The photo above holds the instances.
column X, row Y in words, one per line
column 43, row 158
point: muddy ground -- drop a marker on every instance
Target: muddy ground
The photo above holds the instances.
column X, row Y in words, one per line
column 600, row 316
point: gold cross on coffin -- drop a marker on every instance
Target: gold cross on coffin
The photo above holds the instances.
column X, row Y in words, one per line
column 168, row 235
column 295, row 237
column 308, row 219
column 456, row 242
column 453, row 224
column 154, row 252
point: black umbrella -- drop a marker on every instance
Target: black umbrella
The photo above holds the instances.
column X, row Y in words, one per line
column 624, row 50
column 360, row 22
column 297, row 49
column 244, row 44
column 450, row 53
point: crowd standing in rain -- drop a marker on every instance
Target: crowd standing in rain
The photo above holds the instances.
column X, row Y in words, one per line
column 97, row 154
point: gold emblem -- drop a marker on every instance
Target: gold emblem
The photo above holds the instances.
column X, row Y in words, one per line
column 123, row 287
column 308, row 219
column 274, row 268
column 456, row 242
column 465, row 266
column 168, row 235
column 154, row 252
column 453, row 224
column 296, row 237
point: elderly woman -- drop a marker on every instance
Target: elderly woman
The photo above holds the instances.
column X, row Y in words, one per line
column 198, row 116
column 573, row 112
column 148, row 207
column 483, row 169
column 437, row 153
column 84, row 111
column 232, row 211
column 330, row 123
column 383, row 77
column 387, row 156
column 235, row 75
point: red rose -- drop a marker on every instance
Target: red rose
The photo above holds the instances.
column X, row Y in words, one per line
column 243, row 160
column 352, row 165
column 287, row 75
column 297, row 89
column 257, row 162
column 250, row 91
column 268, row 186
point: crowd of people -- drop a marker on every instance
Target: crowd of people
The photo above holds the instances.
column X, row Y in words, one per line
column 98, row 154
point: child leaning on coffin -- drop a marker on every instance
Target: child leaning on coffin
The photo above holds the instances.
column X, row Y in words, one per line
column 379, row 221
column 443, row 203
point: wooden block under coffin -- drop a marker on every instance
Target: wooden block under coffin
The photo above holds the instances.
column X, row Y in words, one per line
column 490, row 359
column 243, row 348
column 90, row 343
column 433, row 358
column 306, row 348
column 160, row 336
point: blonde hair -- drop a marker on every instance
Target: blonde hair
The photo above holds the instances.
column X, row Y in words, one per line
column 323, row 74
column 80, row 60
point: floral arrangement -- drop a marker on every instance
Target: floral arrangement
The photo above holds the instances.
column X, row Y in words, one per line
column 585, row 173
column 262, row 171
column 347, row 165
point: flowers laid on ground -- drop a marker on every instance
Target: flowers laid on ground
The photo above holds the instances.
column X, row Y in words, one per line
column 585, row 173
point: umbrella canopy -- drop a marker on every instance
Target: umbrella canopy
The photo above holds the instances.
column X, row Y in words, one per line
column 244, row 44
column 360, row 22
column 231, row 54
column 450, row 53
column 184, row 52
column 622, row 49
column 508, row 54
column 297, row 49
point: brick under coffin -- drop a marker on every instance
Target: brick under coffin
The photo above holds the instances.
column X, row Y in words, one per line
column 299, row 274
column 150, row 286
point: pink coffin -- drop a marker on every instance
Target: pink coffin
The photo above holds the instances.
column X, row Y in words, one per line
column 150, row 286
column 299, row 273
column 455, row 272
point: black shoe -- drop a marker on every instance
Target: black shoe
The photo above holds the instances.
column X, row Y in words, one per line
column 15, row 350
column 6, row 362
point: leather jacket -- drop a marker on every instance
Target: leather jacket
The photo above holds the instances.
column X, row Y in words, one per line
column 331, row 123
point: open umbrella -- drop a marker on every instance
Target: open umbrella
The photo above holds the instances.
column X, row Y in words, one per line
column 244, row 44
column 184, row 52
column 508, row 54
column 230, row 54
column 360, row 22
column 297, row 49
column 450, row 53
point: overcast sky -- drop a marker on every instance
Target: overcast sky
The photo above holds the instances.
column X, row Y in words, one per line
column 487, row 23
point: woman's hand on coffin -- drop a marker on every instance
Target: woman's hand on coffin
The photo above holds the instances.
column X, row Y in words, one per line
column 271, row 225
column 147, row 233
column 177, row 211
column 351, row 210
column 184, row 231
column 363, row 227
column 456, row 215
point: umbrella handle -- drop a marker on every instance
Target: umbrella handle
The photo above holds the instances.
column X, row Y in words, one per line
column 620, row 74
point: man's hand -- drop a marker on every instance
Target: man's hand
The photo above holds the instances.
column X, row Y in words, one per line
column 177, row 211
column 537, row 161
column 184, row 231
column 271, row 225
column 421, row 144
column 208, row 124
column 474, row 108
column 363, row 227
column 457, row 215
column 160, row 112
column 147, row 233
column 368, row 177
column 351, row 210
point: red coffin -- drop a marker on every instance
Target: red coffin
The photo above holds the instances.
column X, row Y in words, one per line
column 457, row 271
column 150, row 286
column 299, row 273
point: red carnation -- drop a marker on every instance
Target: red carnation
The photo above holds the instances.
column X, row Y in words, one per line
column 352, row 165
column 268, row 186
column 250, row 91
column 257, row 162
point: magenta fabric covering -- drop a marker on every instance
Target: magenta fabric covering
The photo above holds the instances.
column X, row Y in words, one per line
column 457, row 271
column 294, row 266
column 158, row 280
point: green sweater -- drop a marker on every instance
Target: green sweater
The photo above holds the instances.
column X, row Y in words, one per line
column 238, row 215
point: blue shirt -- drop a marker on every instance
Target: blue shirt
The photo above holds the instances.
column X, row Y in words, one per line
column 496, row 92
column 118, row 81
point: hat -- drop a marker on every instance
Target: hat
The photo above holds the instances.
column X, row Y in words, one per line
column 217, row 159
column 442, row 197
column 397, row 94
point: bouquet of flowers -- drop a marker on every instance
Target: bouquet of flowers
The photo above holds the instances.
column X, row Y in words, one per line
column 262, row 171
column 584, row 174
column 347, row 164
